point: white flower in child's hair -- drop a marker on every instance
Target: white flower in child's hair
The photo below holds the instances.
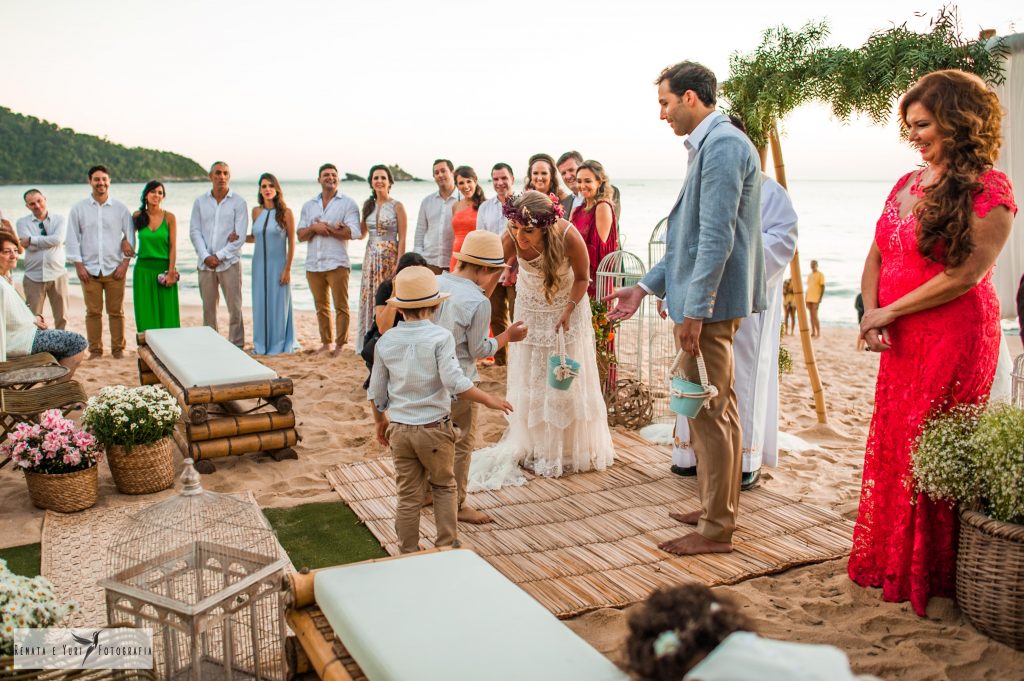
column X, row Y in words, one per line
column 667, row 643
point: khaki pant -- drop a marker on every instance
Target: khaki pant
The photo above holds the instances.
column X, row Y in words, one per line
column 503, row 306
column 716, row 436
column 418, row 452
column 100, row 292
column 464, row 418
column 211, row 284
column 336, row 281
column 56, row 291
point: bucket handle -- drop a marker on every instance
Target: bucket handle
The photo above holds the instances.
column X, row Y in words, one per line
column 563, row 371
column 709, row 391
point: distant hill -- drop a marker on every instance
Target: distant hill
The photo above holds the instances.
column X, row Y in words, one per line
column 37, row 151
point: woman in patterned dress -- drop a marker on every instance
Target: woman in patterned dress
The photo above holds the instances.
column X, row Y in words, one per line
column 383, row 223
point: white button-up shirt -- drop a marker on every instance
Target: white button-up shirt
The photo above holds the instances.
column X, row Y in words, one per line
column 326, row 253
column 18, row 330
column 467, row 314
column 415, row 374
column 434, row 235
column 44, row 256
column 95, row 231
column 211, row 225
column 490, row 217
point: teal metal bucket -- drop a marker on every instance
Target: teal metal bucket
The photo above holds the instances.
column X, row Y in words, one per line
column 686, row 406
column 553, row 363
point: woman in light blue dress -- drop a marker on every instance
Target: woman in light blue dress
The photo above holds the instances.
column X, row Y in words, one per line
column 273, row 232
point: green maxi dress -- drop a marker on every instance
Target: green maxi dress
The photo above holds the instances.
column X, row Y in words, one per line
column 156, row 306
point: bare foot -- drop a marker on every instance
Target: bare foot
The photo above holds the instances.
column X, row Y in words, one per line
column 689, row 518
column 428, row 500
column 694, row 544
column 473, row 516
column 325, row 348
column 337, row 350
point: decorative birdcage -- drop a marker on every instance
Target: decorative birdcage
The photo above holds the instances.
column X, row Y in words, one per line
column 203, row 571
column 660, row 338
column 620, row 349
column 1017, row 389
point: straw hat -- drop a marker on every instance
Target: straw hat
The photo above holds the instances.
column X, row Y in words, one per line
column 416, row 286
column 482, row 248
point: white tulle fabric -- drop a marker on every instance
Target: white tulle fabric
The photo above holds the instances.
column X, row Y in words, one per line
column 551, row 432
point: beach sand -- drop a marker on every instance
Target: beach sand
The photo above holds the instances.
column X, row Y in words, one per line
column 815, row 604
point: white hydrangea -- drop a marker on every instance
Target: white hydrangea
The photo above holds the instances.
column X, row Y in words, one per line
column 27, row 602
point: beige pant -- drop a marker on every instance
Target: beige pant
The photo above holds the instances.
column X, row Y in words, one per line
column 464, row 418
column 420, row 452
column 100, row 292
column 336, row 281
column 503, row 307
column 716, row 436
column 211, row 284
column 37, row 292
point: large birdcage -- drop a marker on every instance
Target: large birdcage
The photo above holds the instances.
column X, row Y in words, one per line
column 204, row 572
column 659, row 337
column 620, row 348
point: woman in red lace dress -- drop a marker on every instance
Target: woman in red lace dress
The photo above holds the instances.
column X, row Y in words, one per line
column 932, row 311
column 595, row 218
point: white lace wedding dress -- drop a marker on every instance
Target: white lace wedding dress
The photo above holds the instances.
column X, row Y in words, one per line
column 551, row 432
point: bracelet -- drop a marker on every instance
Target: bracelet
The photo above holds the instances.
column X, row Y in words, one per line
column 573, row 304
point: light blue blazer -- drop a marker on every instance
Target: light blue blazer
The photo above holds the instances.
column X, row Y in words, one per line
column 713, row 267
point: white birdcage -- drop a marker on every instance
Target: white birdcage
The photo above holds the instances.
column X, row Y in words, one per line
column 659, row 337
column 204, row 571
column 626, row 395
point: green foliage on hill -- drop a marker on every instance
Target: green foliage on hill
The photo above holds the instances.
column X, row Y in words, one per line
column 37, row 151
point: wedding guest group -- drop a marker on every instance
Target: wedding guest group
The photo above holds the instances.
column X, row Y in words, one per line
column 42, row 235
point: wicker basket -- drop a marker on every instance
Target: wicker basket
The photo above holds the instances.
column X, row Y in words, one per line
column 990, row 576
column 64, row 492
column 145, row 469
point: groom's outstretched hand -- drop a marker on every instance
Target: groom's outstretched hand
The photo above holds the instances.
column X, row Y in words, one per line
column 627, row 300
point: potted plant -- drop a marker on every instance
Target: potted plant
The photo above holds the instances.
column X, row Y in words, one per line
column 604, row 344
column 26, row 602
column 135, row 427
column 974, row 456
column 59, row 462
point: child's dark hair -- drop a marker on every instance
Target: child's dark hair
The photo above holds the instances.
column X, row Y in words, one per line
column 675, row 628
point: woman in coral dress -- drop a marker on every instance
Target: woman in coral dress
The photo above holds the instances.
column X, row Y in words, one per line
column 932, row 311
column 464, row 211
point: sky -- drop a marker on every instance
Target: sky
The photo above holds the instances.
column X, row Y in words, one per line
column 284, row 86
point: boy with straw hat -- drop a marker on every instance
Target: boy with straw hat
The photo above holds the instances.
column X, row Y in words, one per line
column 415, row 373
column 481, row 262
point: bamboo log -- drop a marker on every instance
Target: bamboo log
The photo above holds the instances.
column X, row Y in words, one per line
column 283, row 404
column 140, row 338
column 166, row 378
column 243, row 444
column 231, row 426
column 326, row 663
column 299, row 589
column 274, row 387
column 796, row 283
column 148, row 378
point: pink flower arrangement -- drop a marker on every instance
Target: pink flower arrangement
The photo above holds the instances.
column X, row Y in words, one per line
column 54, row 445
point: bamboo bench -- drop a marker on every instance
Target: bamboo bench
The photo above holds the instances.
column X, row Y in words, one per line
column 231, row 404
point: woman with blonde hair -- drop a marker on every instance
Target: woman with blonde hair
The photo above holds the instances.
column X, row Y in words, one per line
column 551, row 432
column 595, row 218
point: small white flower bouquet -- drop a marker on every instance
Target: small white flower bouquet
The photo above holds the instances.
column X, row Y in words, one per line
column 126, row 417
column 27, row 602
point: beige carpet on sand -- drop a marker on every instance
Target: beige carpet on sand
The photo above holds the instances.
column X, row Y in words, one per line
column 589, row 541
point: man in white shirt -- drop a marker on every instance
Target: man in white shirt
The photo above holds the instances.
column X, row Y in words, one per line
column 491, row 218
column 434, row 235
column 98, row 228
column 328, row 222
column 220, row 220
column 42, row 235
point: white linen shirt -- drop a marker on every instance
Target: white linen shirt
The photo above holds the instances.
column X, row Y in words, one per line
column 94, row 234
column 44, row 255
column 467, row 314
column 326, row 253
column 212, row 223
column 490, row 217
column 434, row 236
column 415, row 373
column 17, row 323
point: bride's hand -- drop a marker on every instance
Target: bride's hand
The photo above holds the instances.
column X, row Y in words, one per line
column 563, row 321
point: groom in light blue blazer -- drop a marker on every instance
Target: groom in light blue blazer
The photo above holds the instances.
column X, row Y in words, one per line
column 711, row 277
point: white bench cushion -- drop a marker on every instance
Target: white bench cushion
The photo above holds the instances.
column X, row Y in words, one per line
column 199, row 356
column 450, row 615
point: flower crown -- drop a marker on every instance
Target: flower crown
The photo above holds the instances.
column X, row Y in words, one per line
column 523, row 216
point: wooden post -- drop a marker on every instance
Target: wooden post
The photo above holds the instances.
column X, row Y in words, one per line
column 796, row 282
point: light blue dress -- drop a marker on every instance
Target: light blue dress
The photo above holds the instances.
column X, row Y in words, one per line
column 273, row 322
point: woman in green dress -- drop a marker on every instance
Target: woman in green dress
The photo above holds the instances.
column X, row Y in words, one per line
column 154, row 280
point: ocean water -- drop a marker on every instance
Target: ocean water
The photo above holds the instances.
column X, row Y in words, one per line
column 837, row 222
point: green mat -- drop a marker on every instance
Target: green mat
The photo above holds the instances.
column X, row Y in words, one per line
column 24, row 560
column 320, row 535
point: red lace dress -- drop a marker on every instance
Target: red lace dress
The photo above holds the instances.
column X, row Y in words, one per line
column 939, row 357
column 585, row 222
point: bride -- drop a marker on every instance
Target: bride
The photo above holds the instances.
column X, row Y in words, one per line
column 551, row 432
